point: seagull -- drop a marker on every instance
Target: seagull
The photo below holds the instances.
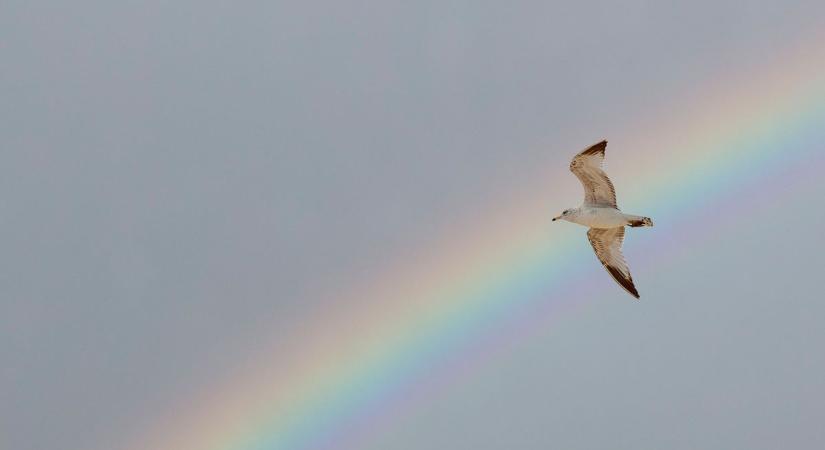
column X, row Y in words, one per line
column 600, row 213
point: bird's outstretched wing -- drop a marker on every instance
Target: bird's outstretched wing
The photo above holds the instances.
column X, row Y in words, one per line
column 607, row 243
column 587, row 166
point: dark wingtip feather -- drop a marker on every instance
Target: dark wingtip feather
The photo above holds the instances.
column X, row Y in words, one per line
column 596, row 148
column 626, row 283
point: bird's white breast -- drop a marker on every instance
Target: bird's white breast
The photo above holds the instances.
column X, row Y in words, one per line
column 599, row 217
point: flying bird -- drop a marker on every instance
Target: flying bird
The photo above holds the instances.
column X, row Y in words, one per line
column 600, row 213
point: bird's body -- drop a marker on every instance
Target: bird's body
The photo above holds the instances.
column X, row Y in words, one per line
column 600, row 213
column 603, row 217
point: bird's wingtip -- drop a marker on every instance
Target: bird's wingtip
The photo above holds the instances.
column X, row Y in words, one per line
column 596, row 148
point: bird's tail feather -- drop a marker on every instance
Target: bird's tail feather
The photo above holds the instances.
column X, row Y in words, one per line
column 639, row 221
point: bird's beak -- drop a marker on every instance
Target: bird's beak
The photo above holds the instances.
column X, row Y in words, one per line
column 556, row 218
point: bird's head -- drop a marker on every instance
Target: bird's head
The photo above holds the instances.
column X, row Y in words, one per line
column 564, row 214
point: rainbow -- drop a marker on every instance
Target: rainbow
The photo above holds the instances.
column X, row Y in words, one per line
column 373, row 347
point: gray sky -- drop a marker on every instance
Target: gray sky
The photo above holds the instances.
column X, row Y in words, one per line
column 178, row 179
